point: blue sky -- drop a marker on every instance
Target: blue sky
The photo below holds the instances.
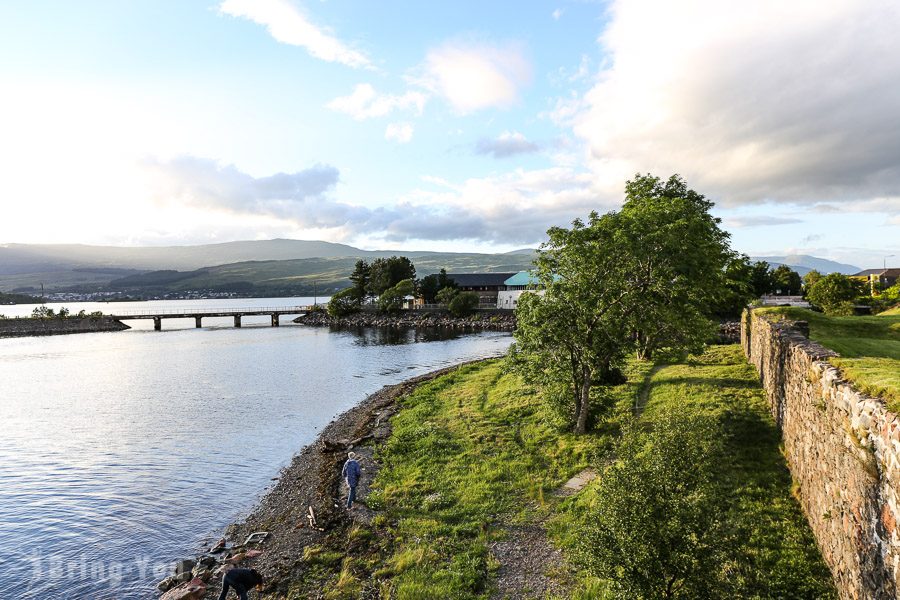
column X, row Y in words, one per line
column 454, row 126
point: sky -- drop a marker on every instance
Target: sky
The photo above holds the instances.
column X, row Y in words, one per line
column 454, row 126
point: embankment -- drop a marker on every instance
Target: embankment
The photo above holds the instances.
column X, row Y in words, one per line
column 487, row 320
column 843, row 449
column 55, row 326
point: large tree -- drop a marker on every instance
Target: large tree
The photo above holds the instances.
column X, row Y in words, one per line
column 834, row 293
column 385, row 273
column 761, row 279
column 360, row 279
column 787, row 282
column 640, row 279
column 677, row 255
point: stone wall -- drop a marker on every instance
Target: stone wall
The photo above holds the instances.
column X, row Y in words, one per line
column 843, row 449
column 29, row 327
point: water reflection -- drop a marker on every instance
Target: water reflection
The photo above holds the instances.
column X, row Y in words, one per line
column 390, row 336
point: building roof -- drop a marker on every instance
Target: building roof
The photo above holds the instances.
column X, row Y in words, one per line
column 882, row 272
column 525, row 278
column 479, row 279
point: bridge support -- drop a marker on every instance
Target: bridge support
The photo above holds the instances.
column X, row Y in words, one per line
column 237, row 320
column 197, row 321
column 275, row 320
column 157, row 323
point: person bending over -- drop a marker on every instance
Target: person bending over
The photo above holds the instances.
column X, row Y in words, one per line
column 241, row 581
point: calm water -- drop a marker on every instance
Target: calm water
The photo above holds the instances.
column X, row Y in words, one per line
column 122, row 452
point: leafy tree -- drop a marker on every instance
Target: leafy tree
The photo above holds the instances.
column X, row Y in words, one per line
column 42, row 312
column 787, row 282
column 345, row 302
column 656, row 527
column 445, row 295
column 385, row 273
column 640, row 279
column 677, row 255
column 761, row 279
column 737, row 291
column 429, row 286
column 834, row 293
column 392, row 300
column 810, row 280
column 577, row 334
column 463, row 304
column 360, row 278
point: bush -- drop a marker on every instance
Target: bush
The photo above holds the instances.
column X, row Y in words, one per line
column 832, row 293
column 463, row 304
column 656, row 529
column 391, row 300
column 344, row 303
column 42, row 312
column 445, row 295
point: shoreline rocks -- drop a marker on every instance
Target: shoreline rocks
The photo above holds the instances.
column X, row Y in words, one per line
column 487, row 320
column 309, row 486
column 26, row 327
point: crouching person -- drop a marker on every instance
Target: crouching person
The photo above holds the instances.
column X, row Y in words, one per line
column 241, row 581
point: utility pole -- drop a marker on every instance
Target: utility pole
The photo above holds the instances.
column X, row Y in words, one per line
column 315, row 292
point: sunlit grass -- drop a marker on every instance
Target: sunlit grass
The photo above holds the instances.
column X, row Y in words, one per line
column 869, row 348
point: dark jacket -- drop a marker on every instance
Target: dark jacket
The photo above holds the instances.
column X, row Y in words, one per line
column 243, row 579
column 351, row 472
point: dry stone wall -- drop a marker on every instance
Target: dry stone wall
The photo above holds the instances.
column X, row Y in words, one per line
column 843, row 449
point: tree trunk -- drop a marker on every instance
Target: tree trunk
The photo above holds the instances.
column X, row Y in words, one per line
column 585, row 399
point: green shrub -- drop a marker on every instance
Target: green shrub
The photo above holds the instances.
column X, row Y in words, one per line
column 656, row 529
column 344, row 303
column 463, row 304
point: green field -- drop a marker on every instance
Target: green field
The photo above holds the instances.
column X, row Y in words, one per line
column 475, row 452
column 869, row 348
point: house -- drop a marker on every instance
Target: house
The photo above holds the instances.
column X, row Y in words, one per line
column 486, row 285
column 518, row 284
column 883, row 278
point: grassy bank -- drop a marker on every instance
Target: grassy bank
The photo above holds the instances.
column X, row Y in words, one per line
column 869, row 348
column 475, row 453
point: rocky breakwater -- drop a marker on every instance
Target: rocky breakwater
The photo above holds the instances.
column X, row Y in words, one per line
column 843, row 450
column 58, row 326
column 482, row 320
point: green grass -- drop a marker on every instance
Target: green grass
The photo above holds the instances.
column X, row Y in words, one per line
column 477, row 449
column 774, row 552
column 469, row 452
column 869, row 348
column 891, row 312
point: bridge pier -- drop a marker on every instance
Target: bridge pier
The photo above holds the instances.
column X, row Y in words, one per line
column 237, row 320
column 197, row 321
column 157, row 323
column 275, row 320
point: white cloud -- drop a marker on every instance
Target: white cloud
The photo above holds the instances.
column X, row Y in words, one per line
column 474, row 76
column 757, row 101
column 760, row 221
column 399, row 132
column 522, row 204
column 556, row 14
column 287, row 24
column 365, row 103
column 508, row 143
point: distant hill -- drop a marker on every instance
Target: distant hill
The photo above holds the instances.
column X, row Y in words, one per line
column 803, row 264
column 263, row 267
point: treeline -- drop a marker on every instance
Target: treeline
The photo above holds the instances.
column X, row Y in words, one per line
column 386, row 282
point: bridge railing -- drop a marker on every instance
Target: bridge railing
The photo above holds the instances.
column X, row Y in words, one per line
column 150, row 312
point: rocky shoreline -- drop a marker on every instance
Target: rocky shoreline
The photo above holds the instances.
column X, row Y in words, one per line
column 26, row 327
column 487, row 320
column 304, row 509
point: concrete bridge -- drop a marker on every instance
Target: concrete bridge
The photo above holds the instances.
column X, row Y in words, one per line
column 198, row 314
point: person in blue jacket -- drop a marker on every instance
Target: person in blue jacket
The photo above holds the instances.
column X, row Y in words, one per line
column 350, row 473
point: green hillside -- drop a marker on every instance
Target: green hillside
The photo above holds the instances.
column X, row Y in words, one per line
column 303, row 276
